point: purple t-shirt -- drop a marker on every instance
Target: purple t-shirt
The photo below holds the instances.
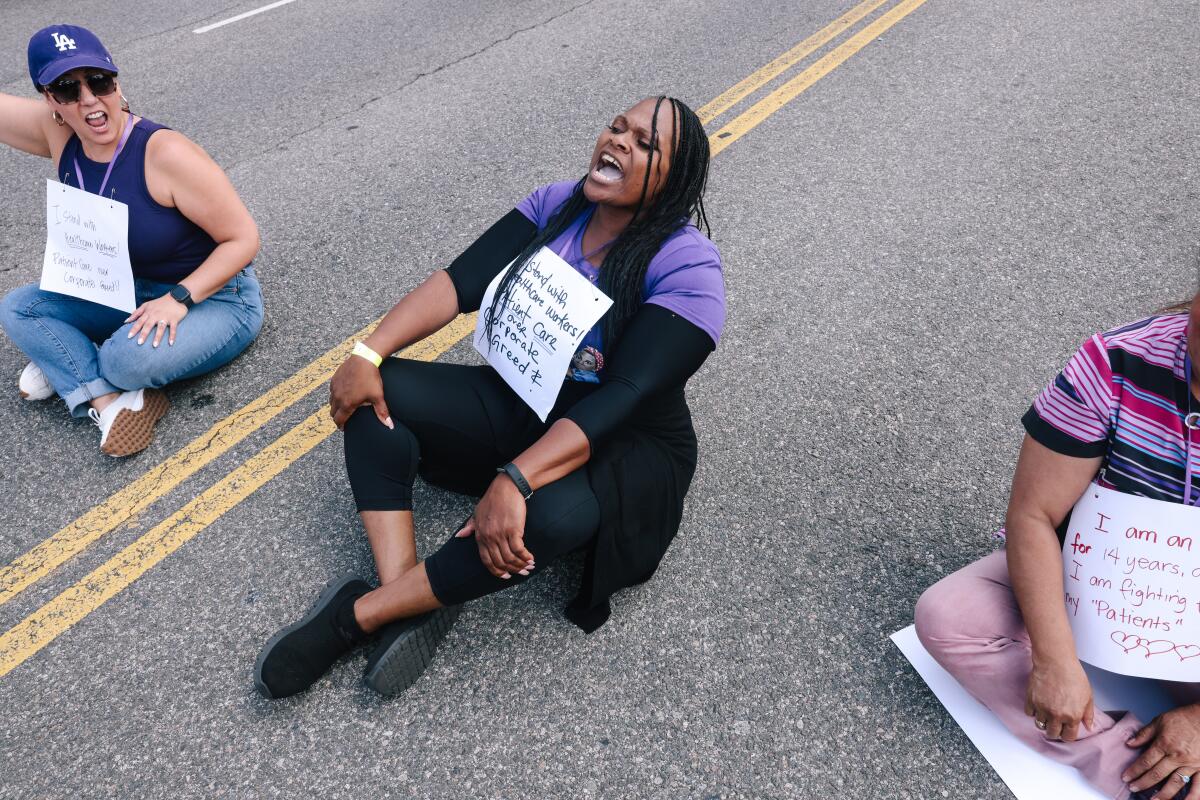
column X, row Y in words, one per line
column 684, row 276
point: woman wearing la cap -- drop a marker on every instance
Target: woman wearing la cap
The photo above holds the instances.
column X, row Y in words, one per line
column 1118, row 414
column 606, row 472
column 191, row 241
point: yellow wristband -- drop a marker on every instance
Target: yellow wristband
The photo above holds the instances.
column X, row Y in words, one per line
column 363, row 351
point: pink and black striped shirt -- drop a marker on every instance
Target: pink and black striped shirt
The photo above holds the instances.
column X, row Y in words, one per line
column 1123, row 397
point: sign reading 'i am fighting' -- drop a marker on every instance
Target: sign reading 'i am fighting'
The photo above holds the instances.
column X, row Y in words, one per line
column 1132, row 581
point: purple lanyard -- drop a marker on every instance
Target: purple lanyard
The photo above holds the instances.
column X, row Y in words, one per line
column 117, row 152
column 1190, row 423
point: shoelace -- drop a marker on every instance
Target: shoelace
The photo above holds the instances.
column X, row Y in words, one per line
column 94, row 415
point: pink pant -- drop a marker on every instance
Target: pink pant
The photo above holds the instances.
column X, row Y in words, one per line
column 970, row 623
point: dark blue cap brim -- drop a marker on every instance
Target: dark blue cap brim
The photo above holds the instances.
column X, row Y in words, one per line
column 55, row 69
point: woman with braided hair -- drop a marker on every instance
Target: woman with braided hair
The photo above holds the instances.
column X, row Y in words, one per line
column 608, row 469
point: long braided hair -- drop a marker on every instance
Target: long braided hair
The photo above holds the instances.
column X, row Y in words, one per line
column 624, row 270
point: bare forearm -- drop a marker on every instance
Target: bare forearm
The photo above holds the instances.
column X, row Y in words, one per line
column 1045, row 487
column 221, row 265
column 1036, row 571
column 421, row 312
column 559, row 452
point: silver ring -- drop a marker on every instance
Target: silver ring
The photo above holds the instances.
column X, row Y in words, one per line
column 1185, row 778
column 162, row 322
column 1041, row 726
column 1192, row 421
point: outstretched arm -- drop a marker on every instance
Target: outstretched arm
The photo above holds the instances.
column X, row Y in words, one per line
column 26, row 125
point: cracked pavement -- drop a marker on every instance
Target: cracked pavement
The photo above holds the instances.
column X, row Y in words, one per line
column 913, row 247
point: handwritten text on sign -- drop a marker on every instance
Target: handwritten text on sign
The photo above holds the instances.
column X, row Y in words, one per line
column 1132, row 576
column 87, row 247
column 551, row 309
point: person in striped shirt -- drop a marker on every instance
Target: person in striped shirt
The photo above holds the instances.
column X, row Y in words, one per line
column 1115, row 414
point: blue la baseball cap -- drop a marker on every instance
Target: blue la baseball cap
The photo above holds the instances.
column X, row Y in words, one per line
column 62, row 48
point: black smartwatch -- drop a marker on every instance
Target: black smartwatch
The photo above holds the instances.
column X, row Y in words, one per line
column 182, row 294
column 510, row 469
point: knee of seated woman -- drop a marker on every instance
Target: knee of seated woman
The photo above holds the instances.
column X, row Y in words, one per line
column 554, row 532
column 128, row 365
column 364, row 432
column 949, row 608
column 15, row 305
column 9, row 312
column 928, row 616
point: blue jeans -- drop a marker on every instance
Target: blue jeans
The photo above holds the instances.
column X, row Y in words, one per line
column 84, row 350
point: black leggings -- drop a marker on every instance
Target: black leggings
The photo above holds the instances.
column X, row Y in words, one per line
column 455, row 425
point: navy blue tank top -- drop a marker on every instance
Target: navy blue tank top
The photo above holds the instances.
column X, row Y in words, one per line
column 164, row 245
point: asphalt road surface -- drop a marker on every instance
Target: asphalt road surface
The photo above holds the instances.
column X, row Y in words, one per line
column 913, row 245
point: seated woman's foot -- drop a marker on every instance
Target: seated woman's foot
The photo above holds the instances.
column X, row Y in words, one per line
column 405, row 648
column 33, row 385
column 296, row 657
column 127, row 423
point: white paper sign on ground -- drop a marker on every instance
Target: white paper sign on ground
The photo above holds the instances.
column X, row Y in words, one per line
column 87, row 247
column 1132, row 580
column 551, row 309
column 1028, row 774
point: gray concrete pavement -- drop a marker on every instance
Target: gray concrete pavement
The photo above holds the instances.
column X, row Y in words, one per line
column 913, row 247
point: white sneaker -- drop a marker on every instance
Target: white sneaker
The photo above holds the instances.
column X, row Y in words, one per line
column 33, row 384
column 127, row 423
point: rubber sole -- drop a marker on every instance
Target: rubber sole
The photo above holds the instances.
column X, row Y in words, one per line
column 409, row 655
column 327, row 594
column 34, row 398
column 132, row 431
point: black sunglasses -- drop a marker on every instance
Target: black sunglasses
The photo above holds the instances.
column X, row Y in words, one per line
column 66, row 90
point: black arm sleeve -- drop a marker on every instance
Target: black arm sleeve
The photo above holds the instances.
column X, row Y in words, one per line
column 659, row 350
column 472, row 271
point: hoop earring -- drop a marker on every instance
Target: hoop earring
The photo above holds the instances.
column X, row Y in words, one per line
column 58, row 118
column 124, row 103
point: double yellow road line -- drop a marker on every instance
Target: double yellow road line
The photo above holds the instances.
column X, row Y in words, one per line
column 46, row 623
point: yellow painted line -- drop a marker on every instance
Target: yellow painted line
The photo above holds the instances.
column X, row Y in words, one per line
column 217, row 440
column 749, row 119
column 767, row 73
column 48, row 622
column 44, row 625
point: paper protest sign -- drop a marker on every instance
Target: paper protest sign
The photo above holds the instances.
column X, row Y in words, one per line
column 551, row 309
column 1029, row 774
column 1132, row 579
column 87, row 247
